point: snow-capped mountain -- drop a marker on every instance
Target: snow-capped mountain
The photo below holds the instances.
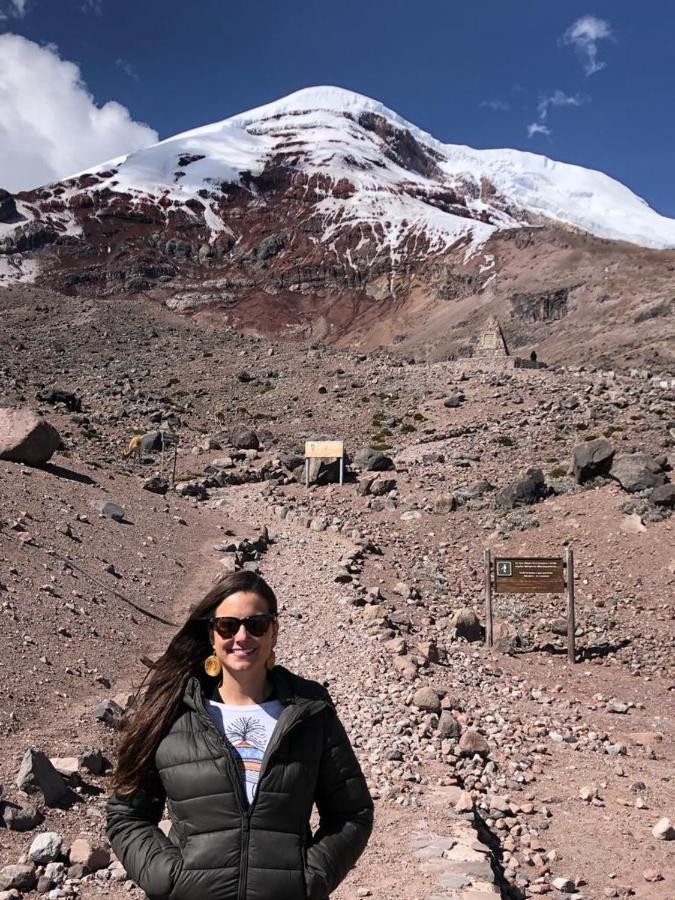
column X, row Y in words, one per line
column 398, row 173
column 320, row 193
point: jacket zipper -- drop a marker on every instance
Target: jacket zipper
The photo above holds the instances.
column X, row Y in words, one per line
column 233, row 767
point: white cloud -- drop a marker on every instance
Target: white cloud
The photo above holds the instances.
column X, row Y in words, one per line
column 537, row 128
column 93, row 6
column 12, row 9
column 557, row 98
column 584, row 35
column 50, row 125
column 127, row 68
column 494, row 105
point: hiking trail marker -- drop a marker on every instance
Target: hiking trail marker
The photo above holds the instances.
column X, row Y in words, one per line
column 530, row 575
column 324, row 450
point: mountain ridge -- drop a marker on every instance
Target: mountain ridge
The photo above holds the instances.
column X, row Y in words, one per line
column 325, row 214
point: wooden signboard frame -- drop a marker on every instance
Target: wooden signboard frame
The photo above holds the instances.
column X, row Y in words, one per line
column 531, row 575
column 324, row 450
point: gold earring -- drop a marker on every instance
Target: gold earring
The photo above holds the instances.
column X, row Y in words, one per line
column 271, row 661
column 213, row 666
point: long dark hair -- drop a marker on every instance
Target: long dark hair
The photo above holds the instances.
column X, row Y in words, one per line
column 183, row 658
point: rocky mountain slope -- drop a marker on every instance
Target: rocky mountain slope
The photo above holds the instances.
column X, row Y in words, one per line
column 325, row 214
column 381, row 585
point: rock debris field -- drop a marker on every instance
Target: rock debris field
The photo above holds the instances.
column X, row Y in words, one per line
column 504, row 772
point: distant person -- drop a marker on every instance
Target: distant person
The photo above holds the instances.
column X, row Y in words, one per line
column 533, row 356
column 240, row 749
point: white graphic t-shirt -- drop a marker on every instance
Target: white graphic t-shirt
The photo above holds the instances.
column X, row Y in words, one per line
column 248, row 729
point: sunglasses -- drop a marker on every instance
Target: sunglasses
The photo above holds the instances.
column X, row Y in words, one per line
column 256, row 626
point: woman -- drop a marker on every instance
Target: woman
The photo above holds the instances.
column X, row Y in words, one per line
column 239, row 749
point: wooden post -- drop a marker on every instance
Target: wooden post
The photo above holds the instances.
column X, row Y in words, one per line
column 487, row 565
column 571, row 625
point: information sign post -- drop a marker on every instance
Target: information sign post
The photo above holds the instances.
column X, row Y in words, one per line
column 530, row 575
column 324, row 450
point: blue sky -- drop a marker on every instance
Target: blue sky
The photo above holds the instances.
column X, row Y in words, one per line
column 486, row 73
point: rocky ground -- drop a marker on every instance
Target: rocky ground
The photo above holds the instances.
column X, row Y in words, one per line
column 566, row 770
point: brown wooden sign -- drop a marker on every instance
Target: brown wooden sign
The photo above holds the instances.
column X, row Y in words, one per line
column 529, row 575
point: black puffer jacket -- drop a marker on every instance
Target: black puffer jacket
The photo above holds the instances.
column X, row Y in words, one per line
column 219, row 847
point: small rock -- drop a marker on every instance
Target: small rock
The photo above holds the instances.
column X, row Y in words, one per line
column 38, row 776
column 652, row 875
column 110, row 713
column 156, row 484
column 93, row 761
column 464, row 803
column 108, row 509
column 22, row 818
column 663, row 830
column 67, row 766
column 87, row 852
column 467, row 625
column 565, row 885
column 45, row 848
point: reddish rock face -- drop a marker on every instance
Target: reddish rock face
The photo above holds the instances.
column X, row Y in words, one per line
column 340, row 233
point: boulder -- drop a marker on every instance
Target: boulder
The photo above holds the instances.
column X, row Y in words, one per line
column 38, row 776
column 505, row 637
column 370, row 460
column 26, row 437
column 448, row 726
column 57, row 395
column 427, row 699
column 472, row 742
column 664, row 496
column 244, row 439
column 156, row 484
column 637, row 472
column 152, row 441
column 467, row 625
column 444, row 504
column 591, row 459
column 524, row 491
column 21, row 877
column 25, row 817
column 382, row 486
